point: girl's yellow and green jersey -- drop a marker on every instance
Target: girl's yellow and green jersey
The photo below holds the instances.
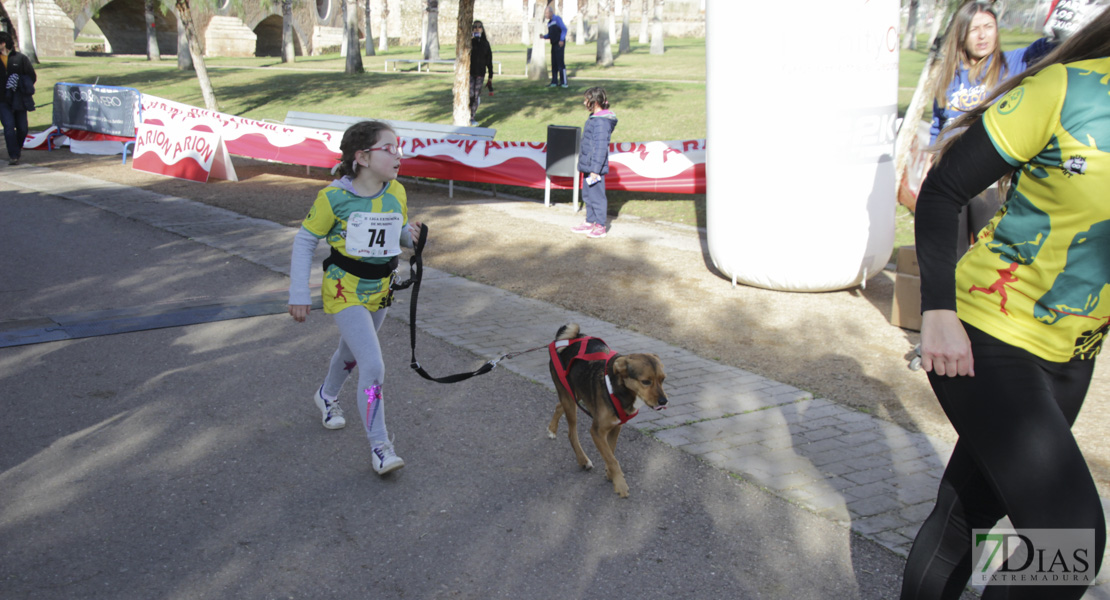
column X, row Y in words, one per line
column 329, row 219
column 1036, row 275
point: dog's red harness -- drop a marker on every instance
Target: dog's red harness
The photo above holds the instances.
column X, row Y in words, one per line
column 606, row 355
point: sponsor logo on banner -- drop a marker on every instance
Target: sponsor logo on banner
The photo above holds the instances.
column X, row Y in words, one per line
column 181, row 153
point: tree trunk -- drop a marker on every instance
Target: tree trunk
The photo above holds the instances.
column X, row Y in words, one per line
column 369, row 32
column 288, row 49
column 611, row 22
column 580, row 24
column 25, row 13
column 626, row 44
column 383, row 37
column 184, row 55
column 431, row 48
column 657, row 29
column 644, row 21
column 186, row 17
column 350, row 27
column 460, row 113
column 537, row 66
column 921, row 94
column 604, row 50
column 6, row 23
column 151, row 31
column 909, row 41
column 525, row 22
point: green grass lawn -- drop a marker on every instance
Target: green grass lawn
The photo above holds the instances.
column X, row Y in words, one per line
column 656, row 97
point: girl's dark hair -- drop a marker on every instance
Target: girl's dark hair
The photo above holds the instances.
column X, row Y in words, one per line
column 6, row 39
column 360, row 136
column 596, row 95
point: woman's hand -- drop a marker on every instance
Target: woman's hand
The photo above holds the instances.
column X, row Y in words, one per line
column 945, row 349
column 299, row 312
column 414, row 231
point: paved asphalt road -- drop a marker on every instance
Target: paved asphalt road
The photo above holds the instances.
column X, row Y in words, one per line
column 189, row 461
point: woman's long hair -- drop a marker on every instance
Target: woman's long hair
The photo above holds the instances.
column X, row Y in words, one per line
column 954, row 52
column 1093, row 41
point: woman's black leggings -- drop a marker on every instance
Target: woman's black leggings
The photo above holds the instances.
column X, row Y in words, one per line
column 1015, row 457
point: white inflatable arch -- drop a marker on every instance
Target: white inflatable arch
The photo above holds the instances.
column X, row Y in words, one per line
column 802, row 103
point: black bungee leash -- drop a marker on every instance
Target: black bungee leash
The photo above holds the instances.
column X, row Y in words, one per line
column 416, row 275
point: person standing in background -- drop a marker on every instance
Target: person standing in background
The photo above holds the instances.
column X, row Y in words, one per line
column 481, row 61
column 972, row 65
column 19, row 88
column 557, row 33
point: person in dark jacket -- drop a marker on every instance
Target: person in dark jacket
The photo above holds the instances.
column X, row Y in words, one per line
column 481, row 61
column 557, row 33
column 593, row 161
column 19, row 88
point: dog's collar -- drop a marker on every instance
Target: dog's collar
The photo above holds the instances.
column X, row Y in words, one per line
column 617, row 406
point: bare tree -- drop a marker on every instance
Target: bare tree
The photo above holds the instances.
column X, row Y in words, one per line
column 151, row 31
column 909, row 40
column 184, row 55
column 288, row 50
column 350, row 33
column 644, row 21
column 25, row 13
column 604, row 50
column 537, row 65
column 460, row 113
column 942, row 15
column 6, row 24
column 383, row 37
column 431, row 32
column 185, row 15
column 369, row 32
column 626, row 45
column 611, row 21
column 657, row 28
column 580, row 32
column 525, row 23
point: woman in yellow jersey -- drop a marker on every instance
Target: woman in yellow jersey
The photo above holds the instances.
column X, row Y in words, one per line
column 1009, row 334
column 363, row 215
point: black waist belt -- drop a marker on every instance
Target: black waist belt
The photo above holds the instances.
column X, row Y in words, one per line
column 360, row 269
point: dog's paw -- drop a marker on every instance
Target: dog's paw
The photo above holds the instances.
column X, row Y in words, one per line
column 621, row 488
column 550, row 434
column 587, row 465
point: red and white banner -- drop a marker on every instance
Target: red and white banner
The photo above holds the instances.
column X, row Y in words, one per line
column 667, row 167
column 181, row 153
column 670, row 167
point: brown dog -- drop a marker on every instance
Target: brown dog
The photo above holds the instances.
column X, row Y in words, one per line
column 635, row 379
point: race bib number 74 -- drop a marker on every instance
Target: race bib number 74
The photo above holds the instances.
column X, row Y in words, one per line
column 374, row 234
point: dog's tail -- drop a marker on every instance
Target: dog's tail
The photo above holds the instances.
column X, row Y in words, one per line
column 568, row 332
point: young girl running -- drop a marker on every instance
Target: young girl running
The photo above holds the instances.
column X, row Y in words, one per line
column 363, row 215
column 593, row 161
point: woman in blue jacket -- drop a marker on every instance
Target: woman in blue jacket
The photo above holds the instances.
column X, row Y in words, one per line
column 972, row 66
column 593, row 161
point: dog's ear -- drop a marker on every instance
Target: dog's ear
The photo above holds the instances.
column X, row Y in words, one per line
column 620, row 367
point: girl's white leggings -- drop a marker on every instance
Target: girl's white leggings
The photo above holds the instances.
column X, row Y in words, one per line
column 358, row 345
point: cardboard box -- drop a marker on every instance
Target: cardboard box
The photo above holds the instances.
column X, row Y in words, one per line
column 906, row 309
column 907, row 261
